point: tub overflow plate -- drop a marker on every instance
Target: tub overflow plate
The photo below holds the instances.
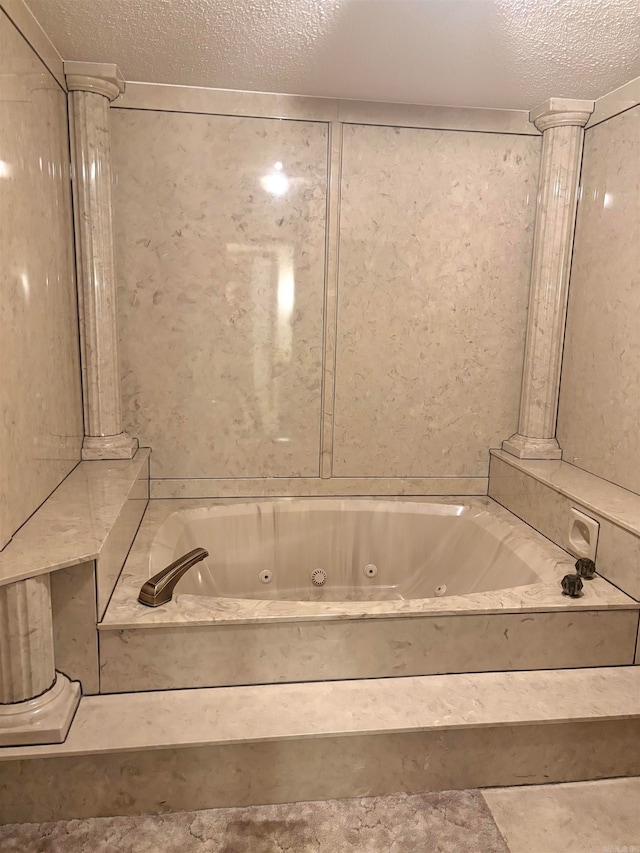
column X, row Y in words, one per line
column 318, row 577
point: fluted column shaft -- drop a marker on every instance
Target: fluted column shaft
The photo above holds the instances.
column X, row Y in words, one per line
column 91, row 88
column 562, row 125
column 27, row 666
column 37, row 703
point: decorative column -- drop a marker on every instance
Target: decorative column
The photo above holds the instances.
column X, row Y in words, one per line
column 562, row 124
column 37, row 703
column 92, row 87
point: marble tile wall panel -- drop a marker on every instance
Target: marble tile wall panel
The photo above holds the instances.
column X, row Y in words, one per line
column 220, row 241
column 303, row 486
column 118, row 542
column 313, row 769
column 618, row 551
column 436, row 237
column 599, row 406
column 41, row 425
column 75, row 638
column 209, row 656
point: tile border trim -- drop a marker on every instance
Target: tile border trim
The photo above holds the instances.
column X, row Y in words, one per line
column 255, row 487
column 623, row 98
column 194, row 99
column 32, row 32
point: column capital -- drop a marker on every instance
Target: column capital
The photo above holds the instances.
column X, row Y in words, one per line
column 99, row 77
column 559, row 112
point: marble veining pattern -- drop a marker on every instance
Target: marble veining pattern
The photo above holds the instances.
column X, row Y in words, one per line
column 41, row 423
column 436, row 234
column 600, row 393
column 220, row 241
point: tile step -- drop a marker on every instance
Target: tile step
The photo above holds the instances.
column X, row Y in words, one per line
column 172, row 719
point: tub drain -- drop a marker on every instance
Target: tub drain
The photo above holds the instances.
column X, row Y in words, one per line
column 318, row 577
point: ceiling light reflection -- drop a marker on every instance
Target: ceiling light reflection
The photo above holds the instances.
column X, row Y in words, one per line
column 275, row 182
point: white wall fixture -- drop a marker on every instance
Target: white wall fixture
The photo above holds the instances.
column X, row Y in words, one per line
column 91, row 88
column 562, row 124
column 37, row 703
column 583, row 535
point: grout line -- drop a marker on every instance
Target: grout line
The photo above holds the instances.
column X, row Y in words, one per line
column 331, row 300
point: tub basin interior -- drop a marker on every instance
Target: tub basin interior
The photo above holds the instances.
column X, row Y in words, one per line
column 342, row 550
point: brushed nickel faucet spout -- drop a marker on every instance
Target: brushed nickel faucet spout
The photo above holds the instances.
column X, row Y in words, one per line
column 159, row 589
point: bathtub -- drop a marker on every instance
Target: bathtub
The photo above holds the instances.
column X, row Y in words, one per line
column 345, row 550
column 311, row 589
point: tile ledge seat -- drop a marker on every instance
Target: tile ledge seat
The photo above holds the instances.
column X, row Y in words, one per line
column 72, row 525
column 618, row 505
column 117, row 723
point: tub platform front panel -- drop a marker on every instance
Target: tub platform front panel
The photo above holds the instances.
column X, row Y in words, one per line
column 210, row 656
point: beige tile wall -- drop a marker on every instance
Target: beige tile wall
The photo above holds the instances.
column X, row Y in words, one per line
column 221, row 288
column 41, row 418
column 436, row 235
column 599, row 407
column 223, row 378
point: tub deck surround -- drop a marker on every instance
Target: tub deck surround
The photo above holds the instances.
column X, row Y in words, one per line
column 544, row 493
column 153, row 752
column 618, row 505
column 74, row 524
column 209, row 642
column 124, row 611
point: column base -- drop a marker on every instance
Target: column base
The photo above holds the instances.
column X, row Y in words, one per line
column 45, row 719
column 525, row 447
column 121, row 446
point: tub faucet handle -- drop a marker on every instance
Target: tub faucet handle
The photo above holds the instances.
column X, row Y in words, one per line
column 586, row 568
column 159, row 589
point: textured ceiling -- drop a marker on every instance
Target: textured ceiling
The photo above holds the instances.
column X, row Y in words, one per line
column 489, row 53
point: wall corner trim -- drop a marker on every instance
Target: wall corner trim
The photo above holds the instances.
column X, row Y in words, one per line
column 623, row 98
column 30, row 29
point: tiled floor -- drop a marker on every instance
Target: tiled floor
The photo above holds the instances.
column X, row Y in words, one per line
column 603, row 817
column 587, row 817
